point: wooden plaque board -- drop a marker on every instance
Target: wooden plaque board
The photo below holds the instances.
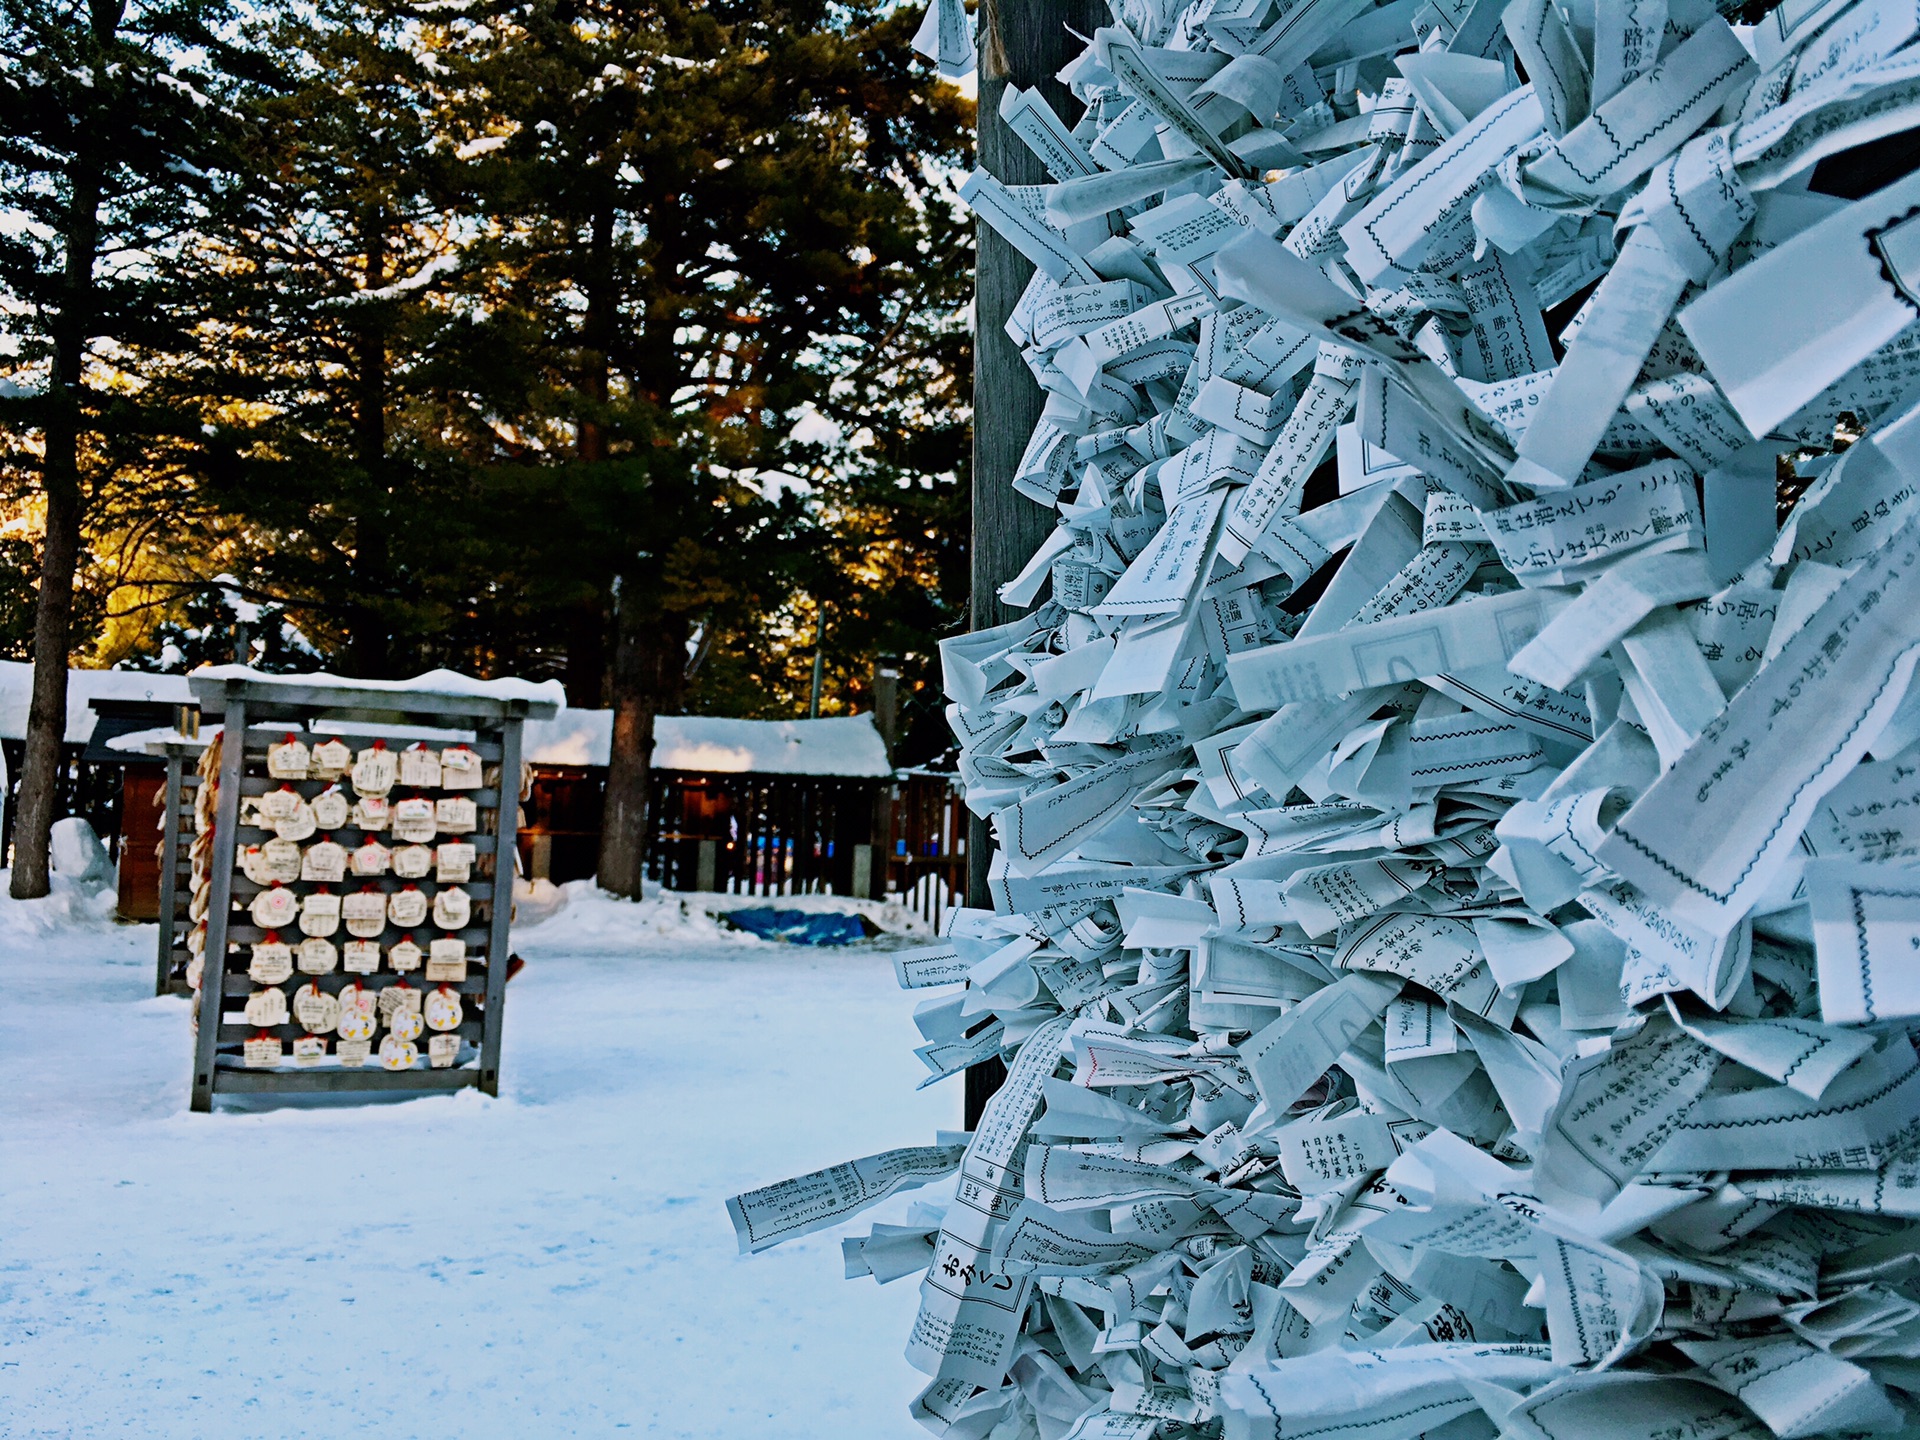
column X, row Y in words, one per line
column 260, row 711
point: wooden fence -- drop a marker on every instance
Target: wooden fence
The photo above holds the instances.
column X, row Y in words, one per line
column 773, row 835
column 760, row 834
column 927, row 853
column 739, row 834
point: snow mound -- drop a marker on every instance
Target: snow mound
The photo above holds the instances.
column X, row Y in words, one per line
column 592, row 921
column 79, row 856
column 70, row 906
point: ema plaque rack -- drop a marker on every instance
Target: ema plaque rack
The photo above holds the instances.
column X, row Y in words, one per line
column 369, row 952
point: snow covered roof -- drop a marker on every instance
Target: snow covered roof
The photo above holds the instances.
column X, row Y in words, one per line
column 842, row 745
column 16, row 692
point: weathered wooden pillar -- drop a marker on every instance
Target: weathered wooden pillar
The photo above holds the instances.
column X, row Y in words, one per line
column 1021, row 42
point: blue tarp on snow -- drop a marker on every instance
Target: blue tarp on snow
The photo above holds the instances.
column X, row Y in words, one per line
column 797, row 927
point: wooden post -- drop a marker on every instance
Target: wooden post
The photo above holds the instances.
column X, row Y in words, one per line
column 226, row 826
column 1022, row 42
column 706, row 868
column 886, row 702
column 505, row 848
column 886, row 795
column 169, row 871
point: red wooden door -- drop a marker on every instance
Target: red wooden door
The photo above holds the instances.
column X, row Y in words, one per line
column 143, row 791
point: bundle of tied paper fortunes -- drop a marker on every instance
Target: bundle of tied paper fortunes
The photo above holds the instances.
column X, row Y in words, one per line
column 1456, row 909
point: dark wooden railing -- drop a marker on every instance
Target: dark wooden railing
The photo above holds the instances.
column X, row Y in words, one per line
column 757, row 834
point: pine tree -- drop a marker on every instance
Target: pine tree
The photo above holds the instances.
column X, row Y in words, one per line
column 112, row 128
column 499, row 339
column 709, row 214
column 334, row 338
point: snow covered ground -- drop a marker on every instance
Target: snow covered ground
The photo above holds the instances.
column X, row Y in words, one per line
column 553, row 1263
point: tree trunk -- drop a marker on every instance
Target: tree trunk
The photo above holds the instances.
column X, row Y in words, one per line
column 596, row 336
column 649, row 675
column 586, row 674
column 587, row 622
column 66, row 504
column 52, row 642
column 370, row 637
column 649, row 650
column 1022, row 42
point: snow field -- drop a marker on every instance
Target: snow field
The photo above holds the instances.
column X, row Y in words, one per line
column 556, row 1262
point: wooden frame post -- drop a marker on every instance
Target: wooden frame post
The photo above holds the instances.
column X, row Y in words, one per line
column 169, row 872
column 226, row 828
column 505, row 849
